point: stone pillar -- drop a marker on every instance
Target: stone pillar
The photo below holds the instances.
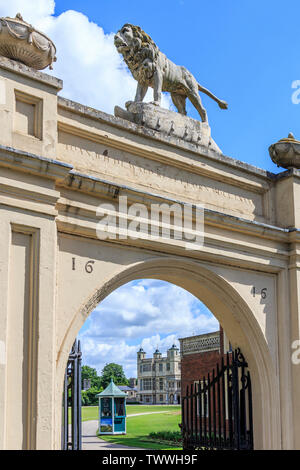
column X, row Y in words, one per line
column 288, row 216
column 28, row 101
column 28, row 120
column 294, row 275
column 288, row 199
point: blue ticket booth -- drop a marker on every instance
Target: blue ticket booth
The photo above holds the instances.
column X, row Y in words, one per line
column 112, row 410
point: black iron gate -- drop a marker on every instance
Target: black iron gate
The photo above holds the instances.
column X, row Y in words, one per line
column 217, row 410
column 71, row 416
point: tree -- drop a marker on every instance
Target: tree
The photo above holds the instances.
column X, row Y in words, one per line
column 85, row 401
column 88, row 397
column 88, row 372
column 115, row 372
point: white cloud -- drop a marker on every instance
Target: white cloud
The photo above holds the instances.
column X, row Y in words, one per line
column 97, row 354
column 148, row 313
column 31, row 10
column 93, row 72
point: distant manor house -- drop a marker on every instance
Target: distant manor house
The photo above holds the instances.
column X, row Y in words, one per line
column 159, row 378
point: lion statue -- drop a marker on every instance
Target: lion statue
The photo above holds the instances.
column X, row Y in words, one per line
column 150, row 67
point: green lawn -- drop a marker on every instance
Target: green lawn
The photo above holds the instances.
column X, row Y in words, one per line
column 138, row 427
column 91, row 412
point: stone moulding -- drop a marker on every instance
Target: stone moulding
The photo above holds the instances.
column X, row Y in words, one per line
column 201, row 343
column 34, row 164
column 20, row 41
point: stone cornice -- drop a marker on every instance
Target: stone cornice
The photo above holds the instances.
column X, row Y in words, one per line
column 292, row 172
column 30, row 73
column 64, row 176
column 105, row 188
column 29, row 163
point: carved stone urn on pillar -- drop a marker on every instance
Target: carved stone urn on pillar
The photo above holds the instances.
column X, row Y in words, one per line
column 20, row 41
column 286, row 152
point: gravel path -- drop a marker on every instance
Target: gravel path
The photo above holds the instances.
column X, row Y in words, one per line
column 91, row 442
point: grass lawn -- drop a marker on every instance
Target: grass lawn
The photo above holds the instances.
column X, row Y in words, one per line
column 138, row 427
column 91, row 412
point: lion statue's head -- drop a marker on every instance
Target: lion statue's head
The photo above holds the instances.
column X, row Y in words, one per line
column 139, row 51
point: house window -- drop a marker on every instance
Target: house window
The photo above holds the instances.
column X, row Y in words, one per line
column 147, row 384
column 168, row 366
column 160, row 367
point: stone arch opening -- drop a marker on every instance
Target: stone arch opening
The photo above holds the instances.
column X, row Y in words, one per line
column 227, row 306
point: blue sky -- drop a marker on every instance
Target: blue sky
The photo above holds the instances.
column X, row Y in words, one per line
column 247, row 52
column 145, row 313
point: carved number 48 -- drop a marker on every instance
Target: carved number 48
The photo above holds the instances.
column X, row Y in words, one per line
column 262, row 292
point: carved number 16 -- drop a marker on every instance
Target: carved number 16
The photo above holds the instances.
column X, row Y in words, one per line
column 263, row 292
column 88, row 266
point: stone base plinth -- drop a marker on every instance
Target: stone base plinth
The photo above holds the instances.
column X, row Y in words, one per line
column 168, row 123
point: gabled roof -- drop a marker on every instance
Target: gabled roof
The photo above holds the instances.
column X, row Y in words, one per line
column 112, row 391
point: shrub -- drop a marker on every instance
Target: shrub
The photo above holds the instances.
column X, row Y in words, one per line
column 171, row 436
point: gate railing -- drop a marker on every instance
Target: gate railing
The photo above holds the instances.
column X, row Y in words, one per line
column 71, row 418
column 217, row 410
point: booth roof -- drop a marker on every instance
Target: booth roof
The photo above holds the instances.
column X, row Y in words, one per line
column 112, row 391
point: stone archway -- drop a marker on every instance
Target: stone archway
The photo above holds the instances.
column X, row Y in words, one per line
column 228, row 307
column 55, row 269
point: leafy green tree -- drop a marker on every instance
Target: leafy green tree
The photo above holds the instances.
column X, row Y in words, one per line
column 84, row 398
column 89, row 397
column 115, row 372
column 90, row 373
column 92, row 395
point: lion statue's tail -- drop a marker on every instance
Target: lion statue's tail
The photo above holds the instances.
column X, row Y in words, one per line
column 222, row 104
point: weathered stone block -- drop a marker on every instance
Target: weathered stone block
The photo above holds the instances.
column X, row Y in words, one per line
column 168, row 122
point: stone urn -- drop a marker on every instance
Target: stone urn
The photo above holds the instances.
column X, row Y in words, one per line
column 286, row 152
column 22, row 42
